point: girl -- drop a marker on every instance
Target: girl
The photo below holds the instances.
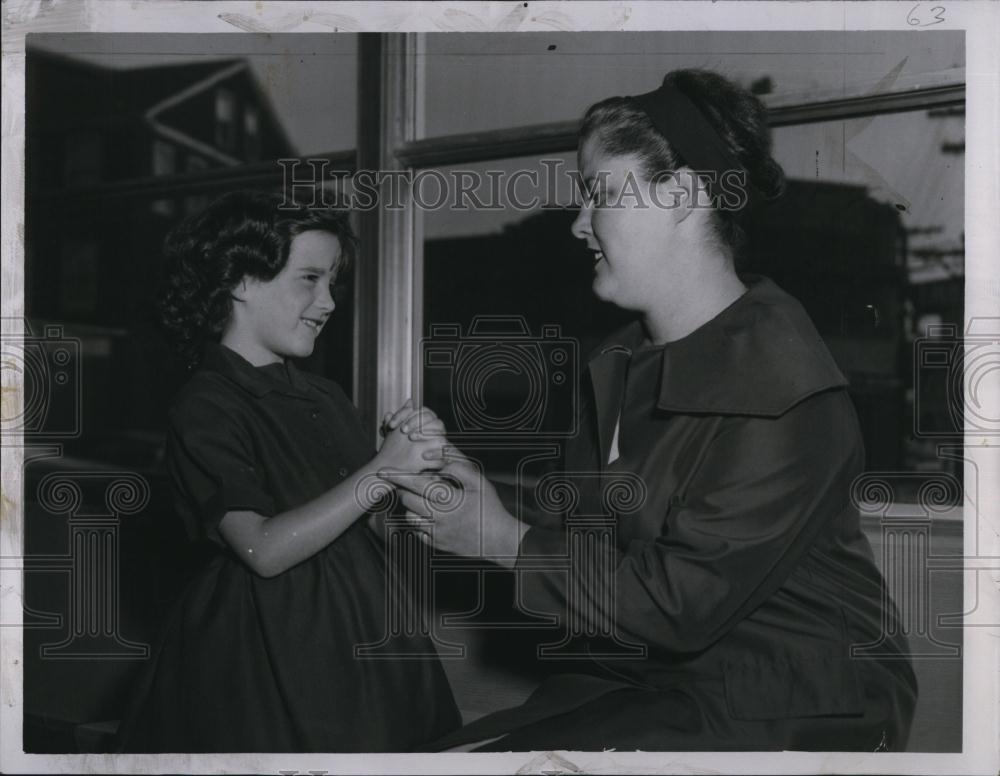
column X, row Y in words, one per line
column 269, row 467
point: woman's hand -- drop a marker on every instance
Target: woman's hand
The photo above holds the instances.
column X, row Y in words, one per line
column 460, row 512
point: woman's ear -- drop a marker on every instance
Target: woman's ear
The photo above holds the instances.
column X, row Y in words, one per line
column 675, row 193
column 691, row 193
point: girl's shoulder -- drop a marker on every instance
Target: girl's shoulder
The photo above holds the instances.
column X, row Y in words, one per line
column 325, row 385
column 207, row 397
column 342, row 405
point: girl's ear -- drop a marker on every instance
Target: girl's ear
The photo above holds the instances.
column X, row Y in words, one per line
column 239, row 292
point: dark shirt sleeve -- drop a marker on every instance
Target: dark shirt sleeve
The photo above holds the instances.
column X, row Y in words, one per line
column 212, row 467
column 764, row 491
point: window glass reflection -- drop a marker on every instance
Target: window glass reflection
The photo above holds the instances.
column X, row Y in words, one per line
column 870, row 242
column 105, row 112
column 478, row 82
column 504, row 271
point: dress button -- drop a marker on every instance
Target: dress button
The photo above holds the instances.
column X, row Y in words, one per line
column 314, row 414
column 342, row 471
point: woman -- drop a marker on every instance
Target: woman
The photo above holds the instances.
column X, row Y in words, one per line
column 738, row 579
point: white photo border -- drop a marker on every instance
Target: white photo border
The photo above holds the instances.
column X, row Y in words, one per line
column 981, row 22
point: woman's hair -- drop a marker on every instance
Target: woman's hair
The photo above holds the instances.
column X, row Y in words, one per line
column 739, row 118
column 241, row 234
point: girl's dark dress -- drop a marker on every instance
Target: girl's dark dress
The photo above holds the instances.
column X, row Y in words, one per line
column 249, row 664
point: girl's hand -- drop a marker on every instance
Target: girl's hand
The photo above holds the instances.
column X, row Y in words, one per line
column 423, row 419
column 417, row 424
column 392, row 420
column 415, row 448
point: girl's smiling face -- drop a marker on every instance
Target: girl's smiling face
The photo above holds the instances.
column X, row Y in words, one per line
column 628, row 224
column 280, row 318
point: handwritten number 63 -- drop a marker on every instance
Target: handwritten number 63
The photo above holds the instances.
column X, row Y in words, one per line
column 914, row 20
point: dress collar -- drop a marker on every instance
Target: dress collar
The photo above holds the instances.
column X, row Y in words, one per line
column 760, row 356
column 257, row 380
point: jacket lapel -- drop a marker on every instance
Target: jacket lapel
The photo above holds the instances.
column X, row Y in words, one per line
column 607, row 375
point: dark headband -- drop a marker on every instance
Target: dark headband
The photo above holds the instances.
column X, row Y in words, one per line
column 690, row 134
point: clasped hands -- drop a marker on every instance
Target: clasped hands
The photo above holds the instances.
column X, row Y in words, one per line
column 445, row 495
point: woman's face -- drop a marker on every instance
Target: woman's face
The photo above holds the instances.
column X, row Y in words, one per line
column 627, row 223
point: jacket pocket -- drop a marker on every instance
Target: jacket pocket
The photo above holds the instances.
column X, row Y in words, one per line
column 792, row 684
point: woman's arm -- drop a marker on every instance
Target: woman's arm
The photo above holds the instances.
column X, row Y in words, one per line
column 473, row 522
column 761, row 495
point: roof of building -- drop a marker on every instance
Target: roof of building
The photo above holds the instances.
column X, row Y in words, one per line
column 96, row 95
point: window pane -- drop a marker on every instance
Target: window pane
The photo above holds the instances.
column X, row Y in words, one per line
column 273, row 96
column 124, row 137
column 164, row 158
column 309, row 80
column 925, row 184
column 478, row 82
column 868, row 240
column 84, row 158
column 508, row 272
column 870, row 237
column 225, row 120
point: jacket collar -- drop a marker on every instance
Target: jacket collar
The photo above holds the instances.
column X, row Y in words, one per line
column 760, row 356
column 257, row 380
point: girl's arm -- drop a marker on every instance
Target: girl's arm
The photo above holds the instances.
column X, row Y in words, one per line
column 271, row 545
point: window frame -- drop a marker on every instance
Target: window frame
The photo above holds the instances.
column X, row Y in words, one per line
column 390, row 293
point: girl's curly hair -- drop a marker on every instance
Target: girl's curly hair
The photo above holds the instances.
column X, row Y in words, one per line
column 241, row 234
